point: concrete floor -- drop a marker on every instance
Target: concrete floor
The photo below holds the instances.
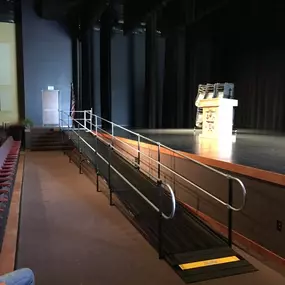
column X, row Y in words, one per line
column 70, row 235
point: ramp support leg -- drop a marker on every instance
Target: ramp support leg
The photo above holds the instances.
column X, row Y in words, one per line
column 160, row 238
column 80, row 162
column 97, row 181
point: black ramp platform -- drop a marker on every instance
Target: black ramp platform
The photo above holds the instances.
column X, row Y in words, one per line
column 194, row 250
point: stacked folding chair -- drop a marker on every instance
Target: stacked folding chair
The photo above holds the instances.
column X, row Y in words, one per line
column 200, row 96
column 208, row 91
column 224, row 90
column 9, row 155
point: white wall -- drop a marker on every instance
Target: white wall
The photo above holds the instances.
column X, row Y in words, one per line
column 8, row 74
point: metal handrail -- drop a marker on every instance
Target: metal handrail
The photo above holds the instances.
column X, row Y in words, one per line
column 173, row 200
column 243, row 189
column 236, row 209
column 121, row 153
column 161, row 145
column 187, row 180
column 158, row 143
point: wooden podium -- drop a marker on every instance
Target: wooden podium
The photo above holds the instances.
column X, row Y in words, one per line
column 217, row 117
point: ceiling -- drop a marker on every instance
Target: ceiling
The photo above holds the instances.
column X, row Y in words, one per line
column 214, row 16
column 128, row 14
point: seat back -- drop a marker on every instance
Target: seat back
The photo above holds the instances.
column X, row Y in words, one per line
column 5, row 149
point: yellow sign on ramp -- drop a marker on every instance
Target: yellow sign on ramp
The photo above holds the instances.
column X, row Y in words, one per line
column 209, row 262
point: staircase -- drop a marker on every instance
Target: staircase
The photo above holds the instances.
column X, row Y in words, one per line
column 47, row 139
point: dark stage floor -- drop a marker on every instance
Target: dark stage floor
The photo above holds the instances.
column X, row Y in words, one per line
column 249, row 148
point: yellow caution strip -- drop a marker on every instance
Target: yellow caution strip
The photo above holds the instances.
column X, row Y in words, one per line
column 210, row 262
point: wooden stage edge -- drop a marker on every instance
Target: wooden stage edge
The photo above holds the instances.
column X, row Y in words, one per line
column 256, row 173
column 9, row 247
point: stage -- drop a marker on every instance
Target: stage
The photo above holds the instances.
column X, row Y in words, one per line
column 253, row 153
column 255, row 158
column 248, row 148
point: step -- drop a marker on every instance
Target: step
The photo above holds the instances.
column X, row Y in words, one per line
column 47, row 148
column 59, row 143
column 51, row 134
column 217, row 271
column 194, row 256
column 45, row 129
column 49, row 137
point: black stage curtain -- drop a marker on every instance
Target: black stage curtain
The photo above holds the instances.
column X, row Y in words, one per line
column 260, row 88
column 243, row 44
column 131, row 74
column 105, row 65
column 188, row 62
column 76, row 74
column 151, row 73
column 174, row 81
column 250, row 53
column 88, row 70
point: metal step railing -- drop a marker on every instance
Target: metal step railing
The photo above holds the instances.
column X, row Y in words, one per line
column 93, row 123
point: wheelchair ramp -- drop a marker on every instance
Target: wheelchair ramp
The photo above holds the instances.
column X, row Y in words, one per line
column 191, row 248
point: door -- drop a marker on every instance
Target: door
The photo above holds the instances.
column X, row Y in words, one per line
column 50, row 99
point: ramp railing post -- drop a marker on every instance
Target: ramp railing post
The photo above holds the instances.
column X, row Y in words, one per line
column 139, row 151
column 109, row 175
column 112, row 125
column 160, row 221
column 230, row 211
column 80, row 151
column 78, row 139
column 96, row 124
column 96, row 154
column 91, row 119
column 72, row 128
column 84, row 116
column 78, row 144
column 158, row 159
column 96, row 132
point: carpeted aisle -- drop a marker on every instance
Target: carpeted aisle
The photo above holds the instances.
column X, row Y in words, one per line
column 70, row 235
